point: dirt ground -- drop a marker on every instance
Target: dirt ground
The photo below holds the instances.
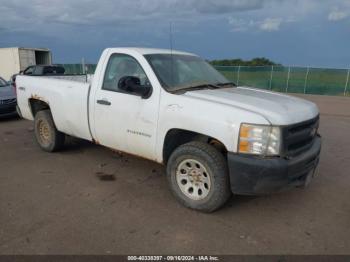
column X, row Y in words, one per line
column 90, row 200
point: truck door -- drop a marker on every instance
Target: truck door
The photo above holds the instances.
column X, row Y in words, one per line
column 122, row 120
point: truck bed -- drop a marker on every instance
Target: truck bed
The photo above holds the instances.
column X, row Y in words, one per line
column 67, row 98
column 75, row 78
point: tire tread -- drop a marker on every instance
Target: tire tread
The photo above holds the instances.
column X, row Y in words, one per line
column 216, row 162
column 58, row 137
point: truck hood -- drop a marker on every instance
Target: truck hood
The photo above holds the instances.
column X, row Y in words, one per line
column 277, row 108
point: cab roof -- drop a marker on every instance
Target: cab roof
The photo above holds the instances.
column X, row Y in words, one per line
column 149, row 51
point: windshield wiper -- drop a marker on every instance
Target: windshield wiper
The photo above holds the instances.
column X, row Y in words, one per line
column 197, row 87
column 211, row 86
column 226, row 84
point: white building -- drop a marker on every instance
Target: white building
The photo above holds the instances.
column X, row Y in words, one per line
column 15, row 59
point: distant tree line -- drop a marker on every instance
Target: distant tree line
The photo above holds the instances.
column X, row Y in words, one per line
column 259, row 61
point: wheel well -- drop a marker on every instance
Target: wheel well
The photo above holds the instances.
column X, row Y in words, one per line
column 37, row 105
column 177, row 137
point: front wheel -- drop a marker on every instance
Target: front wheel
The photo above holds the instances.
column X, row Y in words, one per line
column 198, row 176
column 46, row 133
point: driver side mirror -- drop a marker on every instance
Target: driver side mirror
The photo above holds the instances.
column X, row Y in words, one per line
column 132, row 84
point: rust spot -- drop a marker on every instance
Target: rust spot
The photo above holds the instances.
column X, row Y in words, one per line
column 95, row 141
column 126, row 155
column 37, row 97
column 115, row 151
column 121, row 153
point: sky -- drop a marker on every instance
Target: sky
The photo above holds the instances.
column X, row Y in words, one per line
column 292, row 32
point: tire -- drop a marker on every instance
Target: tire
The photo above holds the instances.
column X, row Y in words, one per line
column 203, row 168
column 46, row 133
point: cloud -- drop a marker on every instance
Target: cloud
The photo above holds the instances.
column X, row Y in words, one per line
column 90, row 12
column 270, row 24
column 67, row 19
column 337, row 15
column 226, row 6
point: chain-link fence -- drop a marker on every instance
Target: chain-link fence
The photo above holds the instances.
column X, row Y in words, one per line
column 304, row 80
column 79, row 69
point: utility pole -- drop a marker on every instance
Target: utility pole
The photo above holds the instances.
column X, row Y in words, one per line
column 83, row 65
column 271, row 76
column 239, row 70
column 347, row 82
column 288, row 80
column 306, row 78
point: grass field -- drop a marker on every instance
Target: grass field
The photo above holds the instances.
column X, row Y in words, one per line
column 301, row 79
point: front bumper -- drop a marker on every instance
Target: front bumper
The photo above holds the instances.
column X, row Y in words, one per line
column 251, row 175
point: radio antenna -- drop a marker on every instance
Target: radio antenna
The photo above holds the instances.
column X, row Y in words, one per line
column 171, row 51
column 171, row 36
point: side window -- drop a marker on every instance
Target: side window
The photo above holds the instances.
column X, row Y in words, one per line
column 121, row 65
column 47, row 70
column 29, row 70
column 38, row 70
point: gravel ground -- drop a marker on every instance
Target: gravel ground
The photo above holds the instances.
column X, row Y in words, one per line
column 90, row 200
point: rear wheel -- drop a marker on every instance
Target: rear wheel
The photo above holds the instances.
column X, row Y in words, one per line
column 46, row 133
column 198, row 176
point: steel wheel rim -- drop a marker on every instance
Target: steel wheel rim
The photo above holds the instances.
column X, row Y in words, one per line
column 44, row 132
column 193, row 179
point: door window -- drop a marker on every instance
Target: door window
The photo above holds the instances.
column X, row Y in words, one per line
column 29, row 70
column 119, row 66
column 38, row 70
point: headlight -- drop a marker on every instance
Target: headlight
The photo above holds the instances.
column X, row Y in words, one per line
column 259, row 140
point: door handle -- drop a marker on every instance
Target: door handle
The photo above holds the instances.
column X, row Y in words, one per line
column 104, row 102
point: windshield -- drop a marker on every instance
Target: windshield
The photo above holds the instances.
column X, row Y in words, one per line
column 3, row 82
column 180, row 72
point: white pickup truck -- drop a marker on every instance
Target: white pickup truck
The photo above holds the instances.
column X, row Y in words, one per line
column 174, row 108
